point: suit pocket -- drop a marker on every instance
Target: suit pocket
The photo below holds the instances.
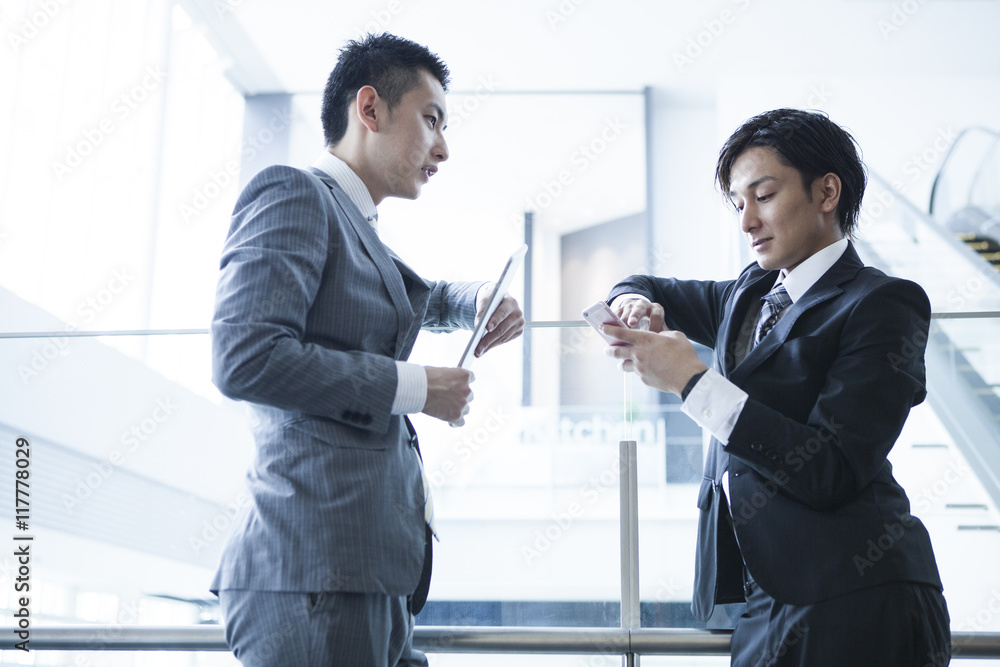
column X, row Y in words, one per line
column 335, row 434
column 706, row 493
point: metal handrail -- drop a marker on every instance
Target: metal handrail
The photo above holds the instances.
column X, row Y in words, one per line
column 536, row 324
column 443, row 639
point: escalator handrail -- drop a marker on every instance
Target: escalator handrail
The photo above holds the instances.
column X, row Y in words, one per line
column 951, row 150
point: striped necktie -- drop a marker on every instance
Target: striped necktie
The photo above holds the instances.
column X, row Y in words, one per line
column 775, row 301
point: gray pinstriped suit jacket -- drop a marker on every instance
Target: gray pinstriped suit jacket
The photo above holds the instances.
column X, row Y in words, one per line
column 312, row 311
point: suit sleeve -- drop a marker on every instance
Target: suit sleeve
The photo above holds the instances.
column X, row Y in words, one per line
column 693, row 307
column 271, row 269
column 452, row 305
column 876, row 376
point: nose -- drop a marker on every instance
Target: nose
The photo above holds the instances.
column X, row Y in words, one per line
column 748, row 218
column 440, row 149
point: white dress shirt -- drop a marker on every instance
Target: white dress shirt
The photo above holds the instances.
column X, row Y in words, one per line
column 411, row 379
column 715, row 402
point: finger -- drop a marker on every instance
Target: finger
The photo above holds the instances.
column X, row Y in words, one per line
column 483, row 299
column 508, row 329
column 502, row 312
column 620, row 351
column 497, row 338
column 656, row 320
column 620, row 333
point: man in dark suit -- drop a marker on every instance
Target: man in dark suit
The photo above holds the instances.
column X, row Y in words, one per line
column 818, row 360
column 314, row 321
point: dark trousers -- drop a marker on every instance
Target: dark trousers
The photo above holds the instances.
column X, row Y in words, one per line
column 277, row 629
column 893, row 625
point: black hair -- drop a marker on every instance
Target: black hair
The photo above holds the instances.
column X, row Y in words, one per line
column 389, row 64
column 809, row 142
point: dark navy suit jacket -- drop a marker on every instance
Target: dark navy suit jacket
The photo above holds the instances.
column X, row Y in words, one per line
column 815, row 511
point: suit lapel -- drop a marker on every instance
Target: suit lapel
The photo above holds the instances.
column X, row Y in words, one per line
column 747, row 294
column 826, row 288
column 381, row 256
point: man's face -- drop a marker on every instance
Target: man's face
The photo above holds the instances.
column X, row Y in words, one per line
column 782, row 223
column 411, row 143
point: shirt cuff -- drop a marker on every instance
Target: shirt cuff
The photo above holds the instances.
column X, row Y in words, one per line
column 715, row 403
column 411, row 388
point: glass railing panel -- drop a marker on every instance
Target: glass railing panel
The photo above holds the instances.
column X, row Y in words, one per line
column 135, row 477
column 526, row 495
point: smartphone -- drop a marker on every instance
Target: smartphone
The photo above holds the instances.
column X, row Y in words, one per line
column 599, row 314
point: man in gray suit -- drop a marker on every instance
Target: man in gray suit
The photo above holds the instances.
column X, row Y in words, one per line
column 314, row 321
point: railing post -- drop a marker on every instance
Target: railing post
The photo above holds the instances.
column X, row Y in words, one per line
column 628, row 490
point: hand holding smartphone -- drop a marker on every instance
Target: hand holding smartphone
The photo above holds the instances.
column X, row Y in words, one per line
column 600, row 314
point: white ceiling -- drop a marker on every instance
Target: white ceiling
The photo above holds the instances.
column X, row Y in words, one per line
column 291, row 45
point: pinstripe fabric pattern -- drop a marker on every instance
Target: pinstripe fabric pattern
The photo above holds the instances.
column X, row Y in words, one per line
column 350, row 183
column 268, row 629
column 312, row 311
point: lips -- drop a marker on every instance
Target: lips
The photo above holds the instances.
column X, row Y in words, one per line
column 758, row 243
column 429, row 171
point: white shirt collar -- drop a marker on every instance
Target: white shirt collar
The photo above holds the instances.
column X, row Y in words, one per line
column 338, row 170
column 798, row 281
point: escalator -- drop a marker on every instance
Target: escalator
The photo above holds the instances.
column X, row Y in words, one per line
column 965, row 198
column 952, row 250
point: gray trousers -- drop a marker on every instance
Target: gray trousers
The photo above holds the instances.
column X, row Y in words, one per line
column 277, row 629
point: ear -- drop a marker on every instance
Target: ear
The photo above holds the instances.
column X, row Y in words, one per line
column 367, row 107
column 827, row 188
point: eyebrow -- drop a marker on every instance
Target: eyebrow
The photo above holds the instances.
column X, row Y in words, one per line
column 751, row 186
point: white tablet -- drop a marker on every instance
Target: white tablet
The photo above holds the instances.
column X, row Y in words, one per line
column 513, row 264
